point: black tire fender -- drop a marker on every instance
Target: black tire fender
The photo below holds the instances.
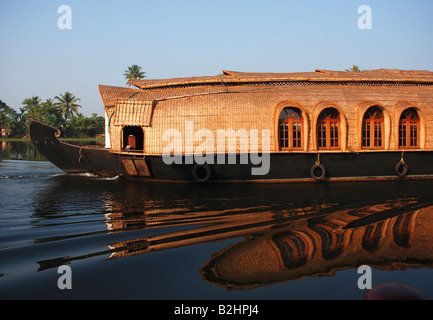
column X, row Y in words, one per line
column 401, row 169
column 313, row 172
column 201, row 172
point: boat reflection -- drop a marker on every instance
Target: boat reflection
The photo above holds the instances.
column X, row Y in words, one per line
column 285, row 244
column 321, row 246
column 281, row 240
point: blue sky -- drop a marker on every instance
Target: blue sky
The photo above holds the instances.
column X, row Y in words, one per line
column 194, row 38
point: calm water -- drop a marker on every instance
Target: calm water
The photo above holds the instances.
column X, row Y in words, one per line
column 129, row 240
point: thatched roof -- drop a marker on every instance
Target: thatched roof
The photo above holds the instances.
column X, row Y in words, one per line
column 149, row 89
column 110, row 94
column 234, row 77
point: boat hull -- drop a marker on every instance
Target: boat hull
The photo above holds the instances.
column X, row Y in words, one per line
column 283, row 167
column 73, row 159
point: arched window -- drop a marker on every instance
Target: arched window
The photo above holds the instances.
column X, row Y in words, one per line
column 372, row 129
column 409, row 129
column 328, row 129
column 290, row 129
column 133, row 138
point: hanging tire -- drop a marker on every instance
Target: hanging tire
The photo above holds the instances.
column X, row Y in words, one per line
column 318, row 172
column 201, row 172
column 401, row 169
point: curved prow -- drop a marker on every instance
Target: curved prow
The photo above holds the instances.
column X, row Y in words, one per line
column 44, row 138
column 72, row 158
column 40, row 131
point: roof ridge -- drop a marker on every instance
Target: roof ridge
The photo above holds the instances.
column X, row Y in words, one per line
column 391, row 75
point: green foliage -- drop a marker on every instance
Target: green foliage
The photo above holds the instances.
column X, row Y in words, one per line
column 61, row 113
column 82, row 127
column 353, row 69
column 8, row 120
column 134, row 73
column 67, row 103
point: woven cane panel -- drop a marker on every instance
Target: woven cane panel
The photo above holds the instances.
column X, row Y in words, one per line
column 133, row 112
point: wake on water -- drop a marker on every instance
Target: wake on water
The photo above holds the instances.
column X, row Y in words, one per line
column 10, row 171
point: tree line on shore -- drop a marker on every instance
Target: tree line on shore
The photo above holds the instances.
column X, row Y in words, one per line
column 60, row 112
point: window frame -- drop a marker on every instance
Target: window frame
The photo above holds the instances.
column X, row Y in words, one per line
column 372, row 132
column 289, row 124
column 327, row 126
column 406, row 124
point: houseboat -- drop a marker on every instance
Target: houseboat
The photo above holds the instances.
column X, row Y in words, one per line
column 260, row 127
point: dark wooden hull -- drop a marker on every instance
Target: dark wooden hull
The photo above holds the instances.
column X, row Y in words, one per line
column 283, row 167
column 72, row 158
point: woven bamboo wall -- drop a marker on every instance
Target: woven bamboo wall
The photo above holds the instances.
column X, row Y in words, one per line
column 133, row 112
column 259, row 108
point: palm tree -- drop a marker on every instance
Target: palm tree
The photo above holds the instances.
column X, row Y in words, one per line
column 134, row 73
column 353, row 69
column 32, row 108
column 67, row 103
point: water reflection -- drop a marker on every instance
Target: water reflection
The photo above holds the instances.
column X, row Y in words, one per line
column 322, row 246
column 19, row 150
column 285, row 232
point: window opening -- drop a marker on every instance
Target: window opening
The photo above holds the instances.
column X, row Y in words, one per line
column 290, row 129
column 372, row 128
column 328, row 129
column 409, row 129
column 133, row 138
